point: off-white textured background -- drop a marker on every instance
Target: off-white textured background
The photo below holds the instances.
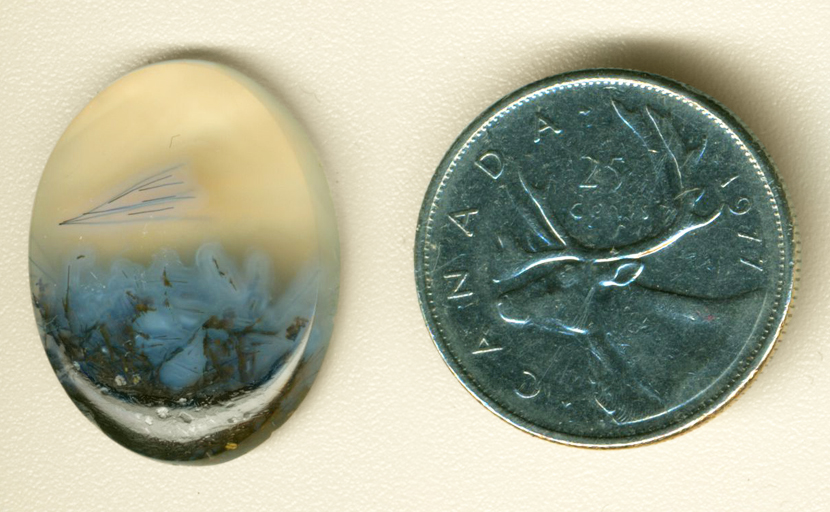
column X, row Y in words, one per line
column 384, row 88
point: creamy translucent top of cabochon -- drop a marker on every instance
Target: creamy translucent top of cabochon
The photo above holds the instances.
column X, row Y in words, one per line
column 174, row 240
column 234, row 166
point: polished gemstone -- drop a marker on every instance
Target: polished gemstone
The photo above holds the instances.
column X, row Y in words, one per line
column 183, row 261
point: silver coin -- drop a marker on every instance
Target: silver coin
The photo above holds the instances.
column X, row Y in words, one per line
column 605, row 258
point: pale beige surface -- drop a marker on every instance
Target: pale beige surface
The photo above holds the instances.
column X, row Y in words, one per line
column 236, row 162
column 384, row 89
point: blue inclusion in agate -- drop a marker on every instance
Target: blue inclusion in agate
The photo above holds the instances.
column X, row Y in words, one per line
column 171, row 332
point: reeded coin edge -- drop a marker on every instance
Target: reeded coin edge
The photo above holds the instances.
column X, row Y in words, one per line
column 758, row 158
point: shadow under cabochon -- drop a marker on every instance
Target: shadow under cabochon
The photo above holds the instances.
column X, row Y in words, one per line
column 183, row 261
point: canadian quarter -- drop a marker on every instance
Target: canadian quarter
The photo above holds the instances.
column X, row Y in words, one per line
column 605, row 258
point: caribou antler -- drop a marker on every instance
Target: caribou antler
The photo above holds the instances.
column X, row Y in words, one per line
column 534, row 213
column 653, row 131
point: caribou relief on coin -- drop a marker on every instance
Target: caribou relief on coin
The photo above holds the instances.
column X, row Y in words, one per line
column 603, row 259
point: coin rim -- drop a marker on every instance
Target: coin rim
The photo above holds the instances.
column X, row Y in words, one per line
column 777, row 317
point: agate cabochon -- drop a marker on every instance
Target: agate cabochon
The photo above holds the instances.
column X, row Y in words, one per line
column 183, row 261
